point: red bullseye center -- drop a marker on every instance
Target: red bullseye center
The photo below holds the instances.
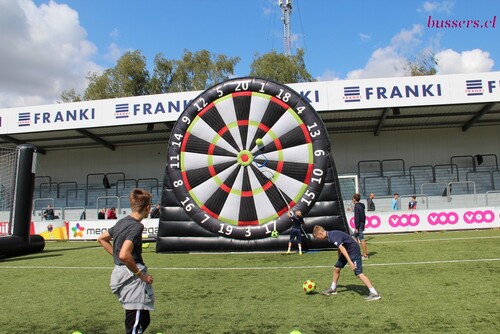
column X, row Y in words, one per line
column 245, row 157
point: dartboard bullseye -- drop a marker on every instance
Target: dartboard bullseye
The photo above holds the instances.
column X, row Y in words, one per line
column 245, row 151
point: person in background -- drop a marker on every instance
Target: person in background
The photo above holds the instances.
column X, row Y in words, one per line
column 155, row 212
column 394, row 203
column 48, row 214
column 412, row 205
column 369, row 202
column 111, row 213
column 296, row 232
column 359, row 223
column 101, row 214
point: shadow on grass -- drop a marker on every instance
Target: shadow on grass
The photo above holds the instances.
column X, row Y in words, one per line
column 47, row 253
column 28, row 257
column 72, row 248
column 358, row 288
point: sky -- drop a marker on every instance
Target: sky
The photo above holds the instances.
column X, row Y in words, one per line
column 49, row 46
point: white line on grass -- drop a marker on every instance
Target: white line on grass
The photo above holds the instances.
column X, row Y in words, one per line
column 254, row 268
column 427, row 240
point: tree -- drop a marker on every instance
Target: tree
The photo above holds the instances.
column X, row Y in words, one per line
column 423, row 64
column 162, row 75
column 281, row 68
column 70, row 96
column 200, row 70
column 194, row 71
column 128, row 78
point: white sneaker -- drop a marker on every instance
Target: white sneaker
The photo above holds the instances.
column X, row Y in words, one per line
column 372, row 297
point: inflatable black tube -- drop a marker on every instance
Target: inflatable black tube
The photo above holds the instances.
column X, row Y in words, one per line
column 221, row 244
column 20, row 242
column 16, row 246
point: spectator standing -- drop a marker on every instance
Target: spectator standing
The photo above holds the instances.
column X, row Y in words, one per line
column 394, row 202
column 359, row 223
column 369, row 202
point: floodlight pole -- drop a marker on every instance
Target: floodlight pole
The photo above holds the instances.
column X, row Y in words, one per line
column 286, row 9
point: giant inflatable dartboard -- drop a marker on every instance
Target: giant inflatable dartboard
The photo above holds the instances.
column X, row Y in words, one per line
column 245, row 151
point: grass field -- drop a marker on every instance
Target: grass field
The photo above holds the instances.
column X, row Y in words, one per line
column 442, row 282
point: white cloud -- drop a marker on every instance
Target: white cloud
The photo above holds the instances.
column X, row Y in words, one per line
column 44, row 52
column 390, row 61
column 445, row 7
column 473, row 61
column 114, row 33
column 328, row 75
column 113, row 53
column 364, row 37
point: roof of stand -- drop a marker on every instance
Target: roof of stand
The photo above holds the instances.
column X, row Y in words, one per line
column 380, row 105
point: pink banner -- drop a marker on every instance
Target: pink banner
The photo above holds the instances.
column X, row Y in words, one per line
column 430, row 220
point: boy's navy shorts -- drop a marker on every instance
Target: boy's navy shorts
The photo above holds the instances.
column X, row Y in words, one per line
column 356, row 259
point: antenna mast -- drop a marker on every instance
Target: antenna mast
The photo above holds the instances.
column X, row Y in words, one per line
column 286, row 9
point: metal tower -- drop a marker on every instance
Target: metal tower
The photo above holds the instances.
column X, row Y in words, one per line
column 286, row 8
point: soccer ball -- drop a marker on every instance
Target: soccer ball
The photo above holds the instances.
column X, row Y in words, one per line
column 275, row 234
column 309, row 286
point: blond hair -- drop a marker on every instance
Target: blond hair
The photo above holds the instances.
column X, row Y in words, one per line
column 317, row 230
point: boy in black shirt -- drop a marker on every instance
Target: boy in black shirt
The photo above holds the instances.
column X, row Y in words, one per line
column 359, row 223
column 130, row 280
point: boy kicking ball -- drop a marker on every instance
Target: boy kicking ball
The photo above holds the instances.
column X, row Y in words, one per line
column 349, row 253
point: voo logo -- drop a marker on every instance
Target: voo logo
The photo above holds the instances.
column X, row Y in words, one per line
column 479, row 216
column 371, row 222
column 442, row 218
column 404, row 220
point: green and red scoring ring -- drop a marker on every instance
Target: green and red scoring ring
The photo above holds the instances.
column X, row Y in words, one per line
column 266, row 186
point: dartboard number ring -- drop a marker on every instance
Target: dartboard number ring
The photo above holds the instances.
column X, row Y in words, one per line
column 243, row 153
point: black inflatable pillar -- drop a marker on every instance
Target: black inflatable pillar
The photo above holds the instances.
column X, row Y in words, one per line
column 20, row 242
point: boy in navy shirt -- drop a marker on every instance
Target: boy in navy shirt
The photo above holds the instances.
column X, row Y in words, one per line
column 349, row 253
column 296, row 232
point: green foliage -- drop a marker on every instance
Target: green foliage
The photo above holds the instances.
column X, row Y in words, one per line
column 128, row 78
column 200, row 70
column 162, row 75
column 194, row 71
column 424, row 64
column 70, row 96
column 429, row 282
column 281, row 68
